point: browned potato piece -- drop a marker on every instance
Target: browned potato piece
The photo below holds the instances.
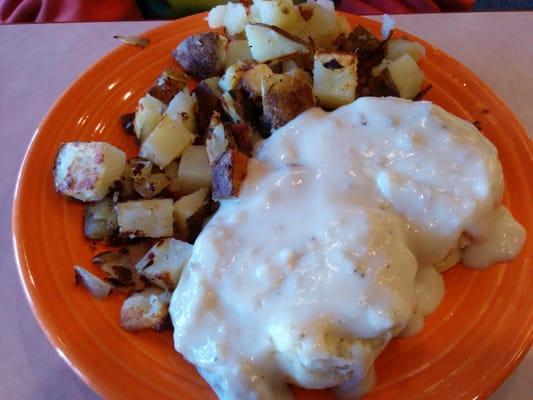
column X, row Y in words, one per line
column 147, row 309
column 268, row 42
column 335, row 78
column 382, row 85
column 194, row 172
column 168, row 84
column 229, row 171
column 360, row 40
column 284, row 97
column 251, row 79
column 96, row 286
column 100, row 220
column 202, row 55
column 190, row 212
column 208, row 101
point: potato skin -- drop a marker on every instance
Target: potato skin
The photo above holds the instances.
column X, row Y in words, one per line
column 229, row 170
column 167, row 85
column 208, row 103
column 284, row 97
column 202, row 55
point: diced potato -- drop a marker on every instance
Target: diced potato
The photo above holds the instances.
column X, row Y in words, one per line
column 100, row 220
column 167, row 142
column 280, row 13
column 202, row 55
column 119, row 266
column 207, row 95
column 238, row 50
column 232, row 16
column 229, row 170
column 138, row 169
column 194, row 171
column 217, row 142
column 87, row 170
column 299, row 73
column 151, row 186
column 335, row 78
column 269, row 43
column 147, row 116
column 171, row 171
column 96, row 286
column 182, row 107
column 362, row 41
column 232, row 108
column 243, row 136
column 145, row 218
column 187, row 205
column 251, row 79
column 407, row 76
column 284, row 97
column 395, row 48
column 168, row 84
column 147, row 309
column 163, row 263
column 382, row 85
column 320, row 24
column 232, row 76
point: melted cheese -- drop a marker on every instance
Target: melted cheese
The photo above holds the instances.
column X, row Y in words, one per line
column 328, row 252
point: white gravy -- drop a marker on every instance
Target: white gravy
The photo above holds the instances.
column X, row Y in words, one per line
column 328, row 252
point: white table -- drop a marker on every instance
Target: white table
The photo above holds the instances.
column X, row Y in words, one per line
column 37, row 62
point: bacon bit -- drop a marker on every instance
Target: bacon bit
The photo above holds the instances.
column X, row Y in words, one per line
column 133, row 40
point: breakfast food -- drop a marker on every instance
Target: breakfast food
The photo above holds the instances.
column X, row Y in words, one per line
column 330, row 250
column 330, row 234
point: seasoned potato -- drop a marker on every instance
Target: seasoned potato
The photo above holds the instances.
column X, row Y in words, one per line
column 232, row 76
column 189, row 212
column 138, row 169
column 100, row 220
column 207, row 95
column 233, row 109
column 87, row 170
column 407, row 76
column 251, row 79
column 238, row 50
column 147, row 116
column 362, row 41
column 280, row 13
column 320, row 24
column 119, row 266
column 163, row 263
column 145, row 218
column 166, row 142
column 202, row 55
column 231, row 16
column 151, row 186
column 269, row 43
column 183, row 107
column 335, row 78
column 382, row 84
column 284, row 97
column 218, row 140
column 171, row 171
column 96, row 286
column 229, row 170
column 168, row 84
column 194, row 172
column 395, row 48
column 147, row 309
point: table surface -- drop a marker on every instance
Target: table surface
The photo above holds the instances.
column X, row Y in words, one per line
column 37, row 62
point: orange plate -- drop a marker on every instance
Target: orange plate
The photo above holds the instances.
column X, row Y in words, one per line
column 470, row 344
